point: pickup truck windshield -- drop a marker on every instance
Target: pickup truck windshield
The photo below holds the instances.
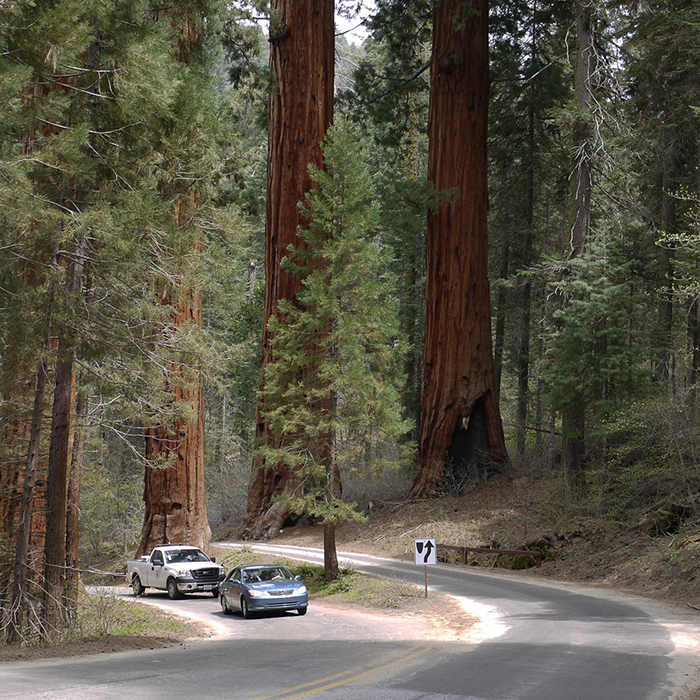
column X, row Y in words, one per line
column 176, row 556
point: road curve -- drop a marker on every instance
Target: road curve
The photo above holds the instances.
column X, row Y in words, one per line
column 536, row 641
column 548, row 641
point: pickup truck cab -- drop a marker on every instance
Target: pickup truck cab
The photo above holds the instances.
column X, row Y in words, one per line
column 177, row 569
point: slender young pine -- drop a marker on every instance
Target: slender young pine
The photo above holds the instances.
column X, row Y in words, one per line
column 345, row 413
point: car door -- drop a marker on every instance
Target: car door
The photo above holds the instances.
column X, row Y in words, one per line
column 227, row 588
column 155, row 573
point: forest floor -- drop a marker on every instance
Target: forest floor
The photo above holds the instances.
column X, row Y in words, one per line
column 507, row 513
column 526, row 514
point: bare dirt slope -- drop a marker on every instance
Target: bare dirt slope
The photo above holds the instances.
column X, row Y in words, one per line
column 525, row 514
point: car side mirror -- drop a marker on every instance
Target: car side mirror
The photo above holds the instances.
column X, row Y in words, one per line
column 298, row 577
column 236, row 582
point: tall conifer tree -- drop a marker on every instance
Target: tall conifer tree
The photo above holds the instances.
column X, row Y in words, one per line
column 344, row 324
column 301, row 109
column 461, row 436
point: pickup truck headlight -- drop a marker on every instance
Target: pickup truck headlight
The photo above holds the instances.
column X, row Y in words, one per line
column 184, row 572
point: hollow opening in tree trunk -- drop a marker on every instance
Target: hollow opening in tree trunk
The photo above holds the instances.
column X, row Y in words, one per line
column 469, row 458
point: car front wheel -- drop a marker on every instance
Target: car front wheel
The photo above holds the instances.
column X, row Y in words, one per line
column 224, row 605
column 301, row 611
column 245, row 609
column 173, row 590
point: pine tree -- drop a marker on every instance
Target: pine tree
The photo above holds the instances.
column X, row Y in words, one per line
column 93, row 161
column 343, row 324
column 301, row 109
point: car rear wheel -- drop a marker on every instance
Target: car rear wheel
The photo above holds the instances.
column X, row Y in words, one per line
column 245, row 609
column 301, row 611
column 137, row 586
column 173, row 590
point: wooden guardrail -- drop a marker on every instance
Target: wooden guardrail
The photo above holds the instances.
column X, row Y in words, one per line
column 487, row 550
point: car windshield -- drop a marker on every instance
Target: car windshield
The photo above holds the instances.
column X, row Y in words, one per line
column 177, row 556
column 274, row 573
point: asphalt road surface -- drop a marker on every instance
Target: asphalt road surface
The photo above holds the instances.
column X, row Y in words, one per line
column 535, row 641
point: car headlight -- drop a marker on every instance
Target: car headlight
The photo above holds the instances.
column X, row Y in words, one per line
column 301, row 590
column 257, row 594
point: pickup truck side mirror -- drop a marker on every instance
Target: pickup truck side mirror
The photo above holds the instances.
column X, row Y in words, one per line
column 213, row 559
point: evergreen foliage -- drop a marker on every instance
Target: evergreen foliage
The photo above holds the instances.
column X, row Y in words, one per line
column 594, row 340
column 344, row 413
column 105, row 128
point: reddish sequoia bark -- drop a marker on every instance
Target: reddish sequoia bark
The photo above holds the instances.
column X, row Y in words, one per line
column 174, row 485
column 461, row 434
column 174, row 490
column 301, row 109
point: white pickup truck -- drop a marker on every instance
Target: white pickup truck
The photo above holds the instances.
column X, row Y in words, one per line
column 176, row 568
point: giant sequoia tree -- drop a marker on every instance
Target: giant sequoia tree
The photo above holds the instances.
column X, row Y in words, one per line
column 301, row 109
column 174, row 486
column 461, row 434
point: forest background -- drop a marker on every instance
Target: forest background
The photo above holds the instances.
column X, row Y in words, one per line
column 132, row 190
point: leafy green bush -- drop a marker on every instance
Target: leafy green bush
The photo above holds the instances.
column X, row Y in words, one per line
column 652, row 461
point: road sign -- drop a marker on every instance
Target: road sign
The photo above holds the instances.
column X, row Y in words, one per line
column 425, row 551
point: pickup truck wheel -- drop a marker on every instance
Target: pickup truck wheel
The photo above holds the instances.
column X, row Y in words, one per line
column 245, row 609
column 173, row 590
column 137, row 586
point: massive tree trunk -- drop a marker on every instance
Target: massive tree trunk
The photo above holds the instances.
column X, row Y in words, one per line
column 461, row 434
column 174, row 488
column 174, row 482
column 301, row 109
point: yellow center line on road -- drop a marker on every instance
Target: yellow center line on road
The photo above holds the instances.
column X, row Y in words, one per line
column 342, row 678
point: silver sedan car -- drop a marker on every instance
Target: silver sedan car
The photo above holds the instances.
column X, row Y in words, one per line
column 261, row 588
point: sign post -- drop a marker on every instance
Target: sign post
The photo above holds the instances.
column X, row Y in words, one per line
column 425, row 551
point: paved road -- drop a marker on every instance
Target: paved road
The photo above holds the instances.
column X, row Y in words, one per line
column 539, row 642
column 551, row 642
